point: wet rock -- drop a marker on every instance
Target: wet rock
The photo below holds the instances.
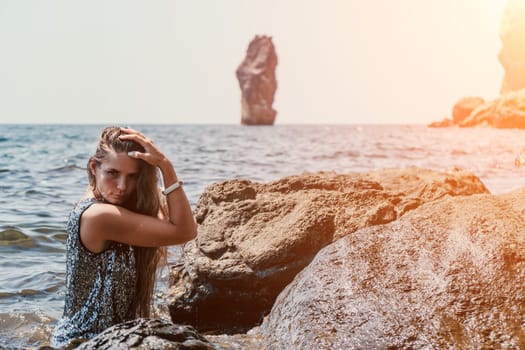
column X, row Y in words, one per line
column 448, row 275
column 148, row 334
column 238, row 341
column 254, row 238
column 256, row 75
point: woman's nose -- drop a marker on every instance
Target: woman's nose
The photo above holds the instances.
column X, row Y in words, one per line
column 121, row 183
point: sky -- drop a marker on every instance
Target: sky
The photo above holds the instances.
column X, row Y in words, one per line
column 170, row 62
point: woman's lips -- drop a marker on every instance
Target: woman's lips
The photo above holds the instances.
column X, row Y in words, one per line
column 117, row 197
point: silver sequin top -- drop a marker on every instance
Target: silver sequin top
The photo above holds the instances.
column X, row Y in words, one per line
column 99, row 287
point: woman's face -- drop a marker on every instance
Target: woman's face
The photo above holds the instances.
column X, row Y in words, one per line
column 116, row 177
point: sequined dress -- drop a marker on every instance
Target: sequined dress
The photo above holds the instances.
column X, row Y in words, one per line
column 99, row 287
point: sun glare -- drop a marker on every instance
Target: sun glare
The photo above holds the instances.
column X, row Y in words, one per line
column 497, row 7
column 509, row 7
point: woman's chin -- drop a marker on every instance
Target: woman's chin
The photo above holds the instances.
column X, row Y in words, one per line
column 116, row 200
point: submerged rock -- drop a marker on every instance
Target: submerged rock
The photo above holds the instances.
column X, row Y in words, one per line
column 254, row 238
column 148, row 334
column 256, row 75
column 448, row 275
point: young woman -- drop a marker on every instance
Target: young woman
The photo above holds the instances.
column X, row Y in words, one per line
column 116, row 237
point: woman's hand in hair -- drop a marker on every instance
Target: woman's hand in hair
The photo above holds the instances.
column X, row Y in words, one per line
column 152, row 155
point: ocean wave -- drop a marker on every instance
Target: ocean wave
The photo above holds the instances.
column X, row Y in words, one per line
column 63, row 169
column 48, row 229
column 459, row 152
column 40, row 284
column 22, row 329
column 337, row 155
column 21, row 293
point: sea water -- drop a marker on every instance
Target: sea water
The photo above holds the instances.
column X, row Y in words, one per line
column 43, row 173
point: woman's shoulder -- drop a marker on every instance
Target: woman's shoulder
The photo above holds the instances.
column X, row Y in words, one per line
column 81, row 206
column 96, row 207
column 103, row 214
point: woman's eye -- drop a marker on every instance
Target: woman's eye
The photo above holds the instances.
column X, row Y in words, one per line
column 112, row 172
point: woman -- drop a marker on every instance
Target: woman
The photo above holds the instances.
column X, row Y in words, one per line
column 117, row 236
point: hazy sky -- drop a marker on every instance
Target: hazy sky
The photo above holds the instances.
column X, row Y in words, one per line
column 340, row 61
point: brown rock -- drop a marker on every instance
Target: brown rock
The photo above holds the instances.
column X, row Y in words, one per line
column 448, row 275
column 254, row 238
column 464, row 107
column 445, row 123
column 256, row 75
column 461, row 111
column 507, row 111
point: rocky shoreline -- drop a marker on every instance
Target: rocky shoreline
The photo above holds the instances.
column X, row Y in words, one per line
column 505, row 112
column 396, row 258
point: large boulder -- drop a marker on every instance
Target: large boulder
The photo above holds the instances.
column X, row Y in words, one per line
column 461, row 111
column 254, row 238
column 256, row 75
column 448, row 275
column 464, row 107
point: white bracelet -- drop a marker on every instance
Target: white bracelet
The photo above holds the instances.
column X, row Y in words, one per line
column 172, row 187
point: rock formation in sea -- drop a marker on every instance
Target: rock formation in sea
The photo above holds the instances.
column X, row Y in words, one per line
column 464, row 107
column 461, row 110
column 256, row 75
column 254, row 238
column 506, row 111
column 447, row 275
column 512, row 53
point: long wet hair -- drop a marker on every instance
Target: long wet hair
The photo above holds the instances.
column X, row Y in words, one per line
column 146, row 200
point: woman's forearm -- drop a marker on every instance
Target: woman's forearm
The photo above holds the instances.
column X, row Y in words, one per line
column 179, row 209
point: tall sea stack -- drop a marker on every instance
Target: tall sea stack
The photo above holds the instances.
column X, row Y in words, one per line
column 256, row 75
column 512, row 54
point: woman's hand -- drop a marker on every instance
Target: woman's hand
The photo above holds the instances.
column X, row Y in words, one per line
column 152, row 154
